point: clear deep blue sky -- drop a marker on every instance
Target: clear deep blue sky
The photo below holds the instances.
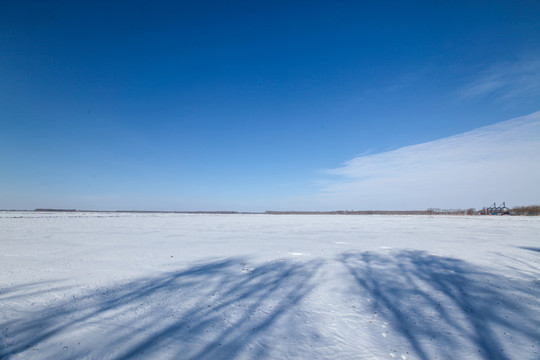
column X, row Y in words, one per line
column 243, row 105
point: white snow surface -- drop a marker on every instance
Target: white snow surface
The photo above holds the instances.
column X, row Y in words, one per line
column 186, row 286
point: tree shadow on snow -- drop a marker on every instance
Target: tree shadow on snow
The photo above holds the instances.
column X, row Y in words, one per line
column 219, row 309
column 530, row 248
column 442, row 307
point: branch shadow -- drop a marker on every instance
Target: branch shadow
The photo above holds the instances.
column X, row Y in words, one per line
column 441, row 307
column 216, row 309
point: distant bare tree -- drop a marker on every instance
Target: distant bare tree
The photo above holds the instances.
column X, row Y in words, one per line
column 526, row 210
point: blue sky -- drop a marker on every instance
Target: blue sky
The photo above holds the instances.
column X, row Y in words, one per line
column 250, row 106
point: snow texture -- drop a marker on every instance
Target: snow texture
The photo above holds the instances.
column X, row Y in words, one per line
column 181, row 286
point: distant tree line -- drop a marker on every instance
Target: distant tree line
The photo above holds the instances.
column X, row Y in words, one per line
column 518, row 210
column 435, row 211
column 526, row 210
column 56, row 210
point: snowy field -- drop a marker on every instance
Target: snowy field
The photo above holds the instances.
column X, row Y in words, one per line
column 180, row 286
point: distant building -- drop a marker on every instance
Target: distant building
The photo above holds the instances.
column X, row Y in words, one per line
column 496, row 210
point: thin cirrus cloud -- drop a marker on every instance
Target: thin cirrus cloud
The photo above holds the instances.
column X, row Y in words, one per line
column 500, row 162
column 519, row 80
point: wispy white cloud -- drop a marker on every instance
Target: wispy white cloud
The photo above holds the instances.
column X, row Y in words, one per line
column 500, row 162
column 507, row 81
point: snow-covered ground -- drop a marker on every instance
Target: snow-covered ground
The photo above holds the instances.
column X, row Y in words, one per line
column 180, row 286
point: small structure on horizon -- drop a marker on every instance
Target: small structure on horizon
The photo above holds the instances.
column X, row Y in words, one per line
column 496, row 210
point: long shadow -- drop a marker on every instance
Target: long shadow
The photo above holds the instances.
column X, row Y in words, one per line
column 445, row 308
column 218, row 309
column 530, row 248
column 26, row 290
